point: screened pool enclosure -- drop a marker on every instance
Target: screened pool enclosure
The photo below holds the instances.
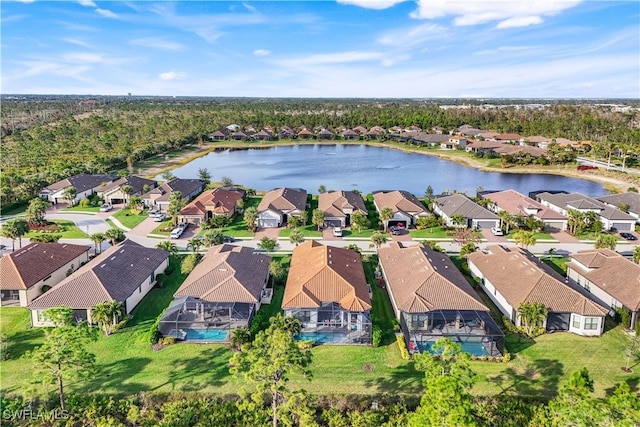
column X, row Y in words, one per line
column 331, row 324
column 190, row 319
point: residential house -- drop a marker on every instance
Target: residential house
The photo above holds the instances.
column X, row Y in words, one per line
column 112, row 193
column 519, row 150
column 217, row 136
column 27, row 272
column 327, row 290
column 483, row 146
column 305, row 134
column 84, row 184
column 216, row 202
column 376, row 132
column 338, row 206
column 512, row 276
column 286, row 133
column 277, row 205
column 508, row 138
column 360, row 130
column 518, row 204
column 475, row 215
column 125, row 272
column 538, row 141
column 222, row 293
column 350, row 134
column 263, row 135
column 239, row 136
column 609, row 277
column 405, row 206
column 159, row 197
column 430, row 139
column 611, row 217
column 629, row 202
column 469, row 131
column 432, row 299
column 454, row 142
column 487, row 136
column 325, row 134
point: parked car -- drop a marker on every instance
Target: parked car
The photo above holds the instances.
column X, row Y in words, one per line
column 628, row 236
column 176, row 233
column 395, row 230
column 337, row 231
column 154, row 212
column 159, row 218
column 497, row 231
column 106, row 207
column 182, row 225
column 228, row 239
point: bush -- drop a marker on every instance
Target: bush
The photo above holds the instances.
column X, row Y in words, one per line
column 623, row 317
column 404, row 353
column 84, row 203
column 154, row 332
column 506, row 357
column 167, row 340
column 376, row 337
column 305, row 345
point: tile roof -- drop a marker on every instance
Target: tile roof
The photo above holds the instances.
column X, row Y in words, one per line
column 333, row 203
column 521, row 277
column 421, row 280
column 519, row 149
column 320, row 273
column 580, row 201
column 136, row 182
column 507, row 137
column 80, row 182
column 611, row 272
column 632, row 199
column 184, row 186
column 218, row 201
column 518, row 204
column 459, row 204
column 25, row 267
column 227, row 273
column 112, row 276
column 399, row 201
column 485, row 144
column 284, row 200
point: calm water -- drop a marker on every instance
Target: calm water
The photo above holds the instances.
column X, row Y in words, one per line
column 347, row 167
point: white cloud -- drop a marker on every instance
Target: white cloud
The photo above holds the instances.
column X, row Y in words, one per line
column 407, row 37
column 83, row 58
column 333, row 58
column 76, row 42
column 372, row 4
column 158, row 43
column 508, row 13
column 249, row 7
column 262, row 52
column 106, row 13
column 171, row 75
column 87, row 3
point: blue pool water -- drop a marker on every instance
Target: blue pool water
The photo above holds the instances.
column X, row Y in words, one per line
column 322, row 337
column 473, row 348
column 205, row 335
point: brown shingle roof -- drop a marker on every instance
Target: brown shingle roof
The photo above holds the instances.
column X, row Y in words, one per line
column 611, row 272
column 284, row 200
column 399, row 200
column 333, row 203
column 218, row 200
column 227, row 273
column 321, row 273
column 521, row 277
column 25, row 267
column 111, row 276
column 421, row 280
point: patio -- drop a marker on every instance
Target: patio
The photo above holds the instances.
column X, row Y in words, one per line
column 332, row 324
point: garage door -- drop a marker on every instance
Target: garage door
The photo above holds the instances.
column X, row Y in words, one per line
column 622, row 226
column 332, row 223
column 558, row 321
column 486, row 224
column 398, row 223
column 268, row 223
column 553, row 225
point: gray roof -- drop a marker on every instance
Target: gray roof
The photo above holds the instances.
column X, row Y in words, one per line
column 631, row 199
column 582, row 202
column 459, row 204
column 80, row 182
column 184, row 186
column 137, row 183
column 112, row 276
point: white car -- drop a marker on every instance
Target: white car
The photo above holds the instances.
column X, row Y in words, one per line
column 176, row 233
column 497, row 231
column 159, row 217
column 337, row 231
column 106, row 207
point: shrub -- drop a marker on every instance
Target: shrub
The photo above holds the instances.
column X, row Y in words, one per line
column 404, row 353
column 305, row 345
column 623, row 317
column 154, row 332
column 506, row 357
column 376, row 336
column 167, row 340
column 84, row 203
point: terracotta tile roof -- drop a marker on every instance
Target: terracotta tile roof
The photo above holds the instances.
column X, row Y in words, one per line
column 112, row 276
column 321, row 273
column 536, row 139
column 333, row 203
column 459, row 204
column 218, row 200
column 611, row 272
column 284, row 200
column 518, row 204
column 305, row 132
column 227, row 273
column 80, row 182
column 137, row 184
column 217, row 134
column 421, row 280
column 25, row 267
column 521, row 277
column 485, row 144
column 399, row 201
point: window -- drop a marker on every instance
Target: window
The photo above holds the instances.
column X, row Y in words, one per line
column 590, row 323
column 576, row 321
column 140, row 289
column 304, row 316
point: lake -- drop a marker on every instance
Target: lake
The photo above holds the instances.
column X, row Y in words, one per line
column 348, row 167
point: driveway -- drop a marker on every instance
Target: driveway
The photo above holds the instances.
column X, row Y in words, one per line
column 271, row 233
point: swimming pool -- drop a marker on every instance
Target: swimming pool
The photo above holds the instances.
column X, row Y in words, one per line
column 472, row 347
column 206, row 334
column 323, row 337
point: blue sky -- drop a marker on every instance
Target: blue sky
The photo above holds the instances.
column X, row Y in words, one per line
column 344, row 48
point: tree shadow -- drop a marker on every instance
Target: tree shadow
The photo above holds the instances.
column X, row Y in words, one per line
column 115, row 375
column 633, row 382
column 404, row 379
column 515, row 343
column 22, row 342
column 210, row 368
column 539, row 379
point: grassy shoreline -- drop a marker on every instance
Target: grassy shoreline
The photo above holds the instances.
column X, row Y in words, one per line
column 612, row 184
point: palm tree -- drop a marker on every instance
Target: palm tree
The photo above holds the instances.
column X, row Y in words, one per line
column 15, row 229
column 276, row 270
column 108, row 314
column 176, row 203
column 195, row 244
column 204, row 175
column 575, row 221
column 606, row 241
column 10, row 231
column 127, row 190
column 97, row 239
column 378, row 238
column 353, row 247
column 386, row 214
column 115, row 235
column 212, row 238
column 168, row 246
column 317, row 218
column 507, row 220
column 239, row 336
column 524, row 238
column 250, row 217
column 359, row 221
column 36, row 210
column 135, row 202
column 296, row 237
column 69, row 194
column 532, row 315
column 459, row 220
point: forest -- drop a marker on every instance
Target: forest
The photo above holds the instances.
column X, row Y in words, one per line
column 45, row 139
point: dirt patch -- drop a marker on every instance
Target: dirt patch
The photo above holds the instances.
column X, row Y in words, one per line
column 368, row 367
column 45, row 227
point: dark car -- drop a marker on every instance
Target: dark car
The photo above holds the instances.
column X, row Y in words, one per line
column 395, row 230
column 628, row 236
column 228, row 239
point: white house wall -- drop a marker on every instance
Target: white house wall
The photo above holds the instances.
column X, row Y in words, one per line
column 493, row 293
column 593, row 289
column 144, row 287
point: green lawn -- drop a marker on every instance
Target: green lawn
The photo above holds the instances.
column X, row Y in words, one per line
column 353, row 233
column 68, row 230
column 431, row 233
column 307, row 231
column 382, row 312
column 238, row 227
column 559, row 264
column 79, row 209
column 538, row 236
column 128, row 219
column 589, row 235
column 164, row 228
